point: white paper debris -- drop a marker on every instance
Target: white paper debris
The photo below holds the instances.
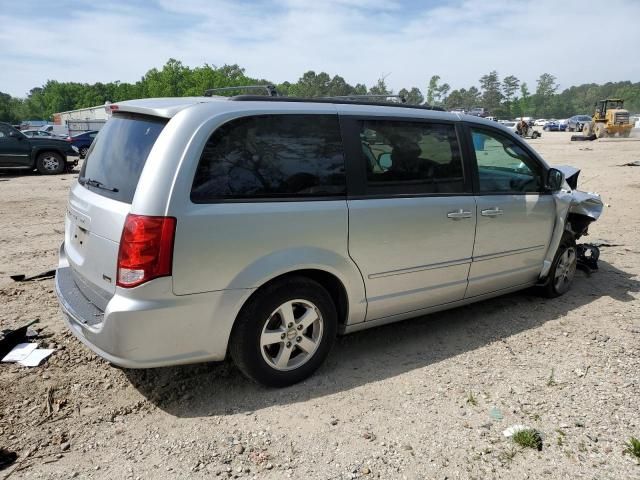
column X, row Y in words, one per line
column 35, row 357
column 20, row 352
column 509, row 432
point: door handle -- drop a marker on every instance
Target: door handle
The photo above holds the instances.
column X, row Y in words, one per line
column 491, row 212
column 459, row 214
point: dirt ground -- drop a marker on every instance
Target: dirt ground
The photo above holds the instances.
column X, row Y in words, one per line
column 423, row 399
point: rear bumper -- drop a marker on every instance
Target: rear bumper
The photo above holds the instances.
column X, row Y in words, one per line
column 155, row 329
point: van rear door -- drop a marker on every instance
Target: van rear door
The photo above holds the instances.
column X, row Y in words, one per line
column 100, row 201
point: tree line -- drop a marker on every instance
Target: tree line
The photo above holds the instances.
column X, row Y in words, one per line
column 506, row 97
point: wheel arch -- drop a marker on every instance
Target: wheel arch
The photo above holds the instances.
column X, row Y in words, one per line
column 330, row 281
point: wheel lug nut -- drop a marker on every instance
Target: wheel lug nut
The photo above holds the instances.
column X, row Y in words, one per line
column 282, row 336
column 288, row 344
column 299, row 327
column 290, row 325
column 298, row 339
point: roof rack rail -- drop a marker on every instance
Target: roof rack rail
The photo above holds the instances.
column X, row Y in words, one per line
column 341, row 101
column 270, row 89
column 367, row 95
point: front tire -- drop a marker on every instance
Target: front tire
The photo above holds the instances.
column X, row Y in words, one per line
column 50, row 163
column 285, row 332
column 563, row 268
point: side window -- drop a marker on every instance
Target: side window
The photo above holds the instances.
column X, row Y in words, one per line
column 4, row 131
column 272, row 156
column 411, row 157
column 503, row 166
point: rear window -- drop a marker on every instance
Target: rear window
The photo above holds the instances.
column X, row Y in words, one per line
column 271, row 157
column 118, row 154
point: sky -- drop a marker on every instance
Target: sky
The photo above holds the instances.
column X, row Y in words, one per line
column 362, row 40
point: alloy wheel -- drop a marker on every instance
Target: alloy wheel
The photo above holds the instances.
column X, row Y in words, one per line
column 291, row 335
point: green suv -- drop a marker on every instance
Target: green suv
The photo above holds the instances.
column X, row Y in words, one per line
column 46, row 154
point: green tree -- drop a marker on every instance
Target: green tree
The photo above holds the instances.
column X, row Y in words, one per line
column 491, row 91
column 413, row 96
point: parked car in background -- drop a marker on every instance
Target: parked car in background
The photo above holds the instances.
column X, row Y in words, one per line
column 82, row 141
column 48, row 155
column 554, row 126
column 57, row 130
column 36, row 133
column 478, row 112
column 562, row 124
column 576, row 123
column 510, row 125
column 540, row 122
column 442, row 210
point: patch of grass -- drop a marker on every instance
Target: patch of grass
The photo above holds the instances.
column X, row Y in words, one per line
column 561, row 436
column 529, row 438
column 632, row 447
column 551, row 381
column 471, row 399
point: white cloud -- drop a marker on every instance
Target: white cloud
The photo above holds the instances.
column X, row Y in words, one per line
column 358, row 39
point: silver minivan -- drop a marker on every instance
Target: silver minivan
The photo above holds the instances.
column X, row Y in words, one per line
column 262, row 227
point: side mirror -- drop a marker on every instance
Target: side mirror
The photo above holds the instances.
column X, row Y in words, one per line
column 555, row 179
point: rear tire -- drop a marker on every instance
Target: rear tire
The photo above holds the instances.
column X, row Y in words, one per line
column 563, row 268
column 50, row 163
column 625, row 134
column 284, row 332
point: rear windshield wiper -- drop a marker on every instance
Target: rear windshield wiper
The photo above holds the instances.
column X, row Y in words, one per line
column 95, row 183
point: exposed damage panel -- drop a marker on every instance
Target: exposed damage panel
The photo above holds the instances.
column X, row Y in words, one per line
column 575, row 209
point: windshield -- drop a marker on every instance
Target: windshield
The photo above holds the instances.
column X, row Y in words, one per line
column 118, row 154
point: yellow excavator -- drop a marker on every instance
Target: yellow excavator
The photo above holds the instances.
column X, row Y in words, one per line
column 609, row 118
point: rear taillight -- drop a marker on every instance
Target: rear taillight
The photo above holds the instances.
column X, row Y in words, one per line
column 146, row 249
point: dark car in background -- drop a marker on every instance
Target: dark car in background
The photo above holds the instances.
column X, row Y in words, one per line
column 48, row 155
column 82, row 141
column 554, row 126
column 576, row 123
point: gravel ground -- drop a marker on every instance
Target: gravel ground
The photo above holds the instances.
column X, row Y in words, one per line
column 422, row 399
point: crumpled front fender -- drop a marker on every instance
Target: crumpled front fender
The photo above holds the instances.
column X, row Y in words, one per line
column 570, row 201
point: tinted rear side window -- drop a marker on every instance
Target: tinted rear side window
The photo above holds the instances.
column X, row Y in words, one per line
column 118, row 154
column 272, row 156
column 411, row 157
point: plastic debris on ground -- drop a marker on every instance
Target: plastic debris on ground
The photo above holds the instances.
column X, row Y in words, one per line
column 495, row 414
column 40, row 276
column 27, row 354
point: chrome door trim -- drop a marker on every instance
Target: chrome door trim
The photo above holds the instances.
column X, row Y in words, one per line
column 491, row 256
column 420, row 268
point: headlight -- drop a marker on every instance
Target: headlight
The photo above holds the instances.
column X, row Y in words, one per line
column 75, row 149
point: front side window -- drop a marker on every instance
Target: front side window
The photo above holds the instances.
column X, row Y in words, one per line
column 272, row 156
column 411, row 157
column 503, row 165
